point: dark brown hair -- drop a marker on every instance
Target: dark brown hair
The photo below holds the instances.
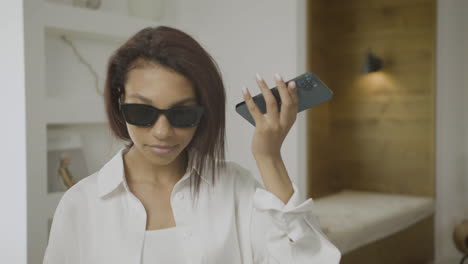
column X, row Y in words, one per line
column 175, row 50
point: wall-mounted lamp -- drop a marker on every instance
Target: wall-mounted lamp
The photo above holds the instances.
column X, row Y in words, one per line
column 372, row 63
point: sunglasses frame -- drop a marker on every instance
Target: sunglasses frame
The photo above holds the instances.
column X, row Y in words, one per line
column 167, row 112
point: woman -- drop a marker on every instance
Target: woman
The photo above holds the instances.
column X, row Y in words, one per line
column 168, row 196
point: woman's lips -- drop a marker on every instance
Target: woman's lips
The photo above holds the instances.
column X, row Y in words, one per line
column 162, row 150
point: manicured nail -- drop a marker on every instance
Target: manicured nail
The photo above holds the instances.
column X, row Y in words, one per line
column 245, row 90
column 292, row 84
column 278, row 77
column 259, row 77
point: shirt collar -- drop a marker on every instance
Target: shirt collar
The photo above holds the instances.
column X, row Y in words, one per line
column 112, row 174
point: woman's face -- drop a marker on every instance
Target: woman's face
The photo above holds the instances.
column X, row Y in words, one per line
column 162, row 88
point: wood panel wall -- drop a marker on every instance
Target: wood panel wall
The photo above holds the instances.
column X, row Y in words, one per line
column 377, row 133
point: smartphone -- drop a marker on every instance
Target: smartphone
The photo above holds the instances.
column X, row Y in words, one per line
column 311, row 91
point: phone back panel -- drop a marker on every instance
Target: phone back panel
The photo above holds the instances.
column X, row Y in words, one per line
column 311, row 91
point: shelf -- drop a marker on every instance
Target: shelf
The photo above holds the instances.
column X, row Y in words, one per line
column 352, row 219
column 75, row 111
column 92, row 24
column 95, row 140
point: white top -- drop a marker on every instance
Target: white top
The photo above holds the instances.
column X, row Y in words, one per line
column 235, row 220
column 162, row 246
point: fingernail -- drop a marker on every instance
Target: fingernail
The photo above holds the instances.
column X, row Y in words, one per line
column 292, row 84
column 278, row 77
column 259, row 77
column 244, row 90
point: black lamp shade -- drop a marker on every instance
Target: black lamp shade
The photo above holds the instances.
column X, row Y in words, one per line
column 372, row 63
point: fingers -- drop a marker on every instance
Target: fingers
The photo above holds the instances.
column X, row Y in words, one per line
column 283, row 91
column 289, row 102
column 293, row 92
column 253, row 109
column 286, row 100
column 289, row 108
column 270, row 100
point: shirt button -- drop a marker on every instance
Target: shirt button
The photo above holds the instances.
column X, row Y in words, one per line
column 180, row 196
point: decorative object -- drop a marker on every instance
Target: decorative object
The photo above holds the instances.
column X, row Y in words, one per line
column 460, row 237
column 91, row 4
column 64, row 173
column 372, row 63
column 66, row 161
column 146, row 9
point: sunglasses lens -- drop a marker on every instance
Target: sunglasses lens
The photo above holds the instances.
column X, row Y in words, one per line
column 185, row 117
column 139, row 114
column 146, row 115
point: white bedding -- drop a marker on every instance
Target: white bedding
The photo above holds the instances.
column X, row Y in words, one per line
column 352, row 219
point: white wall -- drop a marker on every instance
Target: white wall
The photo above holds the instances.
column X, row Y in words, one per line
column 13, row 226
column 451, row 123
column 246, row 37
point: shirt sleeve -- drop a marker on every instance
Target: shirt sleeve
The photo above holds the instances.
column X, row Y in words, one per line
column 285, row 233
column 61, row 247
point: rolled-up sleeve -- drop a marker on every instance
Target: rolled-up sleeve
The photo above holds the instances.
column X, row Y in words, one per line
column 285, row 233
column 296, row 237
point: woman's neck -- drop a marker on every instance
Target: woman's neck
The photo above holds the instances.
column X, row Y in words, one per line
column 139, row 171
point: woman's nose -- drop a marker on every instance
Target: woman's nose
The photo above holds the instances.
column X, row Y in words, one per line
column 162, row 128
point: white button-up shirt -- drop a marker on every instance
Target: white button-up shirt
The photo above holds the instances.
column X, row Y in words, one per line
column 235, row 220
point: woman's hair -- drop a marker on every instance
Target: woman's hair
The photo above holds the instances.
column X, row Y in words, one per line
column 175, row 50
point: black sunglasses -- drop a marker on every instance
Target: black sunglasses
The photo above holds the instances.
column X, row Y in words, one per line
column 146, row 115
